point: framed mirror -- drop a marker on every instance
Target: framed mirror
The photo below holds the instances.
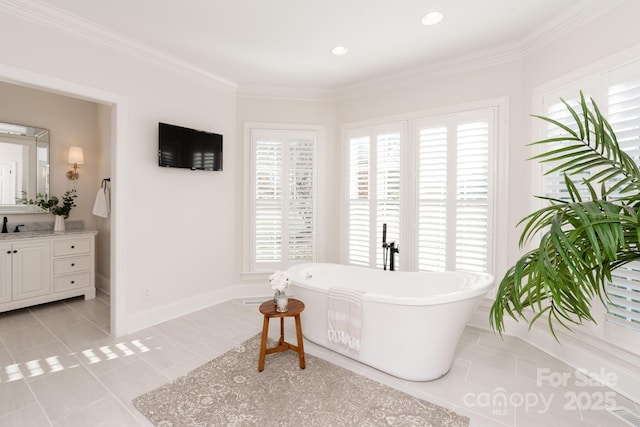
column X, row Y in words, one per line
column 24, row 168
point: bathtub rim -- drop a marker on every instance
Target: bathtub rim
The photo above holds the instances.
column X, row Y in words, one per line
column 486, row 282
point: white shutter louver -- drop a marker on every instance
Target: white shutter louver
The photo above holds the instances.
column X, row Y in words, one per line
column 455, row 191
column 624, row 117
column 374, row 193
column 301, row 215
column 268, row 201
column 432, row 196
column 472, row 210
column 387, row 191
column 284, row 198
column 359, row 160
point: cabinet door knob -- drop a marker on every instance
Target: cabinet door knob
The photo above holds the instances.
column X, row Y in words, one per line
column 15, row 251
column 8, row 252
column 73, row 247
column 72, row 265
column 73, row 281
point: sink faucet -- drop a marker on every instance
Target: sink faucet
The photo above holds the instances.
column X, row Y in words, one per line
column 4, row 225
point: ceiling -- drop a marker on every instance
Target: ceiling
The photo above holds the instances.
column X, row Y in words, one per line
column 288, row 42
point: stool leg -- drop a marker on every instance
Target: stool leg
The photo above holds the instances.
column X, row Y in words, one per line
column 281, row 331
column 263, row 344
column 300, row 344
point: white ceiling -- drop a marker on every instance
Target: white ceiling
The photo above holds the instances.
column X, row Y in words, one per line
column 288, row 42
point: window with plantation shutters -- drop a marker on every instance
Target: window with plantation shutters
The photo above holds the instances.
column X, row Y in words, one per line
column 373, row 192
column 283, row 193
column 617, row 94
column 623, row 114
column 455, row 192
column 449, row 225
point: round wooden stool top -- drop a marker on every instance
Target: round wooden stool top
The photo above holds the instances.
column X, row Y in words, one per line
column 295, row 307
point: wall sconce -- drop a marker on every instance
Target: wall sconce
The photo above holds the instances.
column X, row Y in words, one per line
column 76, row 157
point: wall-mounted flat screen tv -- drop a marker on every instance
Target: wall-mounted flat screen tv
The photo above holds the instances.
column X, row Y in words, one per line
column 180, row 147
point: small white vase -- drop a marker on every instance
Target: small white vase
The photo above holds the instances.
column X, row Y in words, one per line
column 58, row 225
column 282, row 301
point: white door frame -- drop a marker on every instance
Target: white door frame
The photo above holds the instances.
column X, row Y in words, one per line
column 119, row 106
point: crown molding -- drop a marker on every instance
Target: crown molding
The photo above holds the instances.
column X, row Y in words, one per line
column 565, row 23
column 286, row 93
column 498, row 55
column 59, row 20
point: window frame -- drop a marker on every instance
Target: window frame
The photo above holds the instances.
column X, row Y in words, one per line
column 408, row 255
column 452, row 122
column 251, row 269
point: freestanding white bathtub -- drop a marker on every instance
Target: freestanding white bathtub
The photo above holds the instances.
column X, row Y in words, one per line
column 411, row 322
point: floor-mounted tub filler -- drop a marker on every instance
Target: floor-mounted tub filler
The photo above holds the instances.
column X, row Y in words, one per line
column 410, row 323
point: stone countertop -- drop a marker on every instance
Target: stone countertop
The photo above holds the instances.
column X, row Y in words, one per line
column 43, row 233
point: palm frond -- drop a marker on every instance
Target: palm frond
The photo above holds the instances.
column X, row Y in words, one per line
column 582, row 239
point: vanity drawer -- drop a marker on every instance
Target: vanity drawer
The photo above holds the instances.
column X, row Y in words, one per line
column 72, row 281
column 71, row 264
column 71, row 246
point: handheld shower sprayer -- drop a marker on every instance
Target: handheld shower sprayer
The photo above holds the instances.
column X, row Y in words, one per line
column 384, row 233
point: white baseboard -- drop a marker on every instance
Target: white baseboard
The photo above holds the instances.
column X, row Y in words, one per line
column 577, row 349
column 103, row 283
column 166, row 312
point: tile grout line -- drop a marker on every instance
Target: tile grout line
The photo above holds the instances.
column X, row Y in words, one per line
column 81, row 365
column 97, row 377
column 27, row 383
column 102, row 384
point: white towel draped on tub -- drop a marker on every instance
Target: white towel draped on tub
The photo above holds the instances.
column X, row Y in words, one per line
column 101, row 205
column 344, row 315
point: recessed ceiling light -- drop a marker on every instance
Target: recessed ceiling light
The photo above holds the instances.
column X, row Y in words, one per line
column 339, row 50
column 432, row 18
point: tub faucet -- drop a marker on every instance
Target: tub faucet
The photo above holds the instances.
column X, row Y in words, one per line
column 4, row 225
column 392, row 251
column 388, row 250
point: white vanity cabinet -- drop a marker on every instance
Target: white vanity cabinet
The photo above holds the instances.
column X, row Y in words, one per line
column 26, row 269
column 72, row 263
column 6, row 276
column 40, row 268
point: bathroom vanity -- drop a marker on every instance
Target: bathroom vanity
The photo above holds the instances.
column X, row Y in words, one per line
column 44, row 266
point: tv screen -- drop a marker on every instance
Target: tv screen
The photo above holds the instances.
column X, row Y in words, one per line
column 180, row 147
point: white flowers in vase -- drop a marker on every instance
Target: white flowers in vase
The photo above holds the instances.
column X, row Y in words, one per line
column 279, row 281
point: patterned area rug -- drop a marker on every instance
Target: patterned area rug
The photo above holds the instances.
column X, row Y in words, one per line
column 229, row 391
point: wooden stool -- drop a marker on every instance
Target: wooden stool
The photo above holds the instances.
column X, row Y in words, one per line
column 268, row 308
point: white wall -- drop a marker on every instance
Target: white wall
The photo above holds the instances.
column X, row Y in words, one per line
column 179, row 237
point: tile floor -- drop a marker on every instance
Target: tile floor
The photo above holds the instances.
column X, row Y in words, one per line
column 59, row 367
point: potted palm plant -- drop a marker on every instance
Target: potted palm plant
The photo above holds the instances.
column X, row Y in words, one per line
column 581, row 239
